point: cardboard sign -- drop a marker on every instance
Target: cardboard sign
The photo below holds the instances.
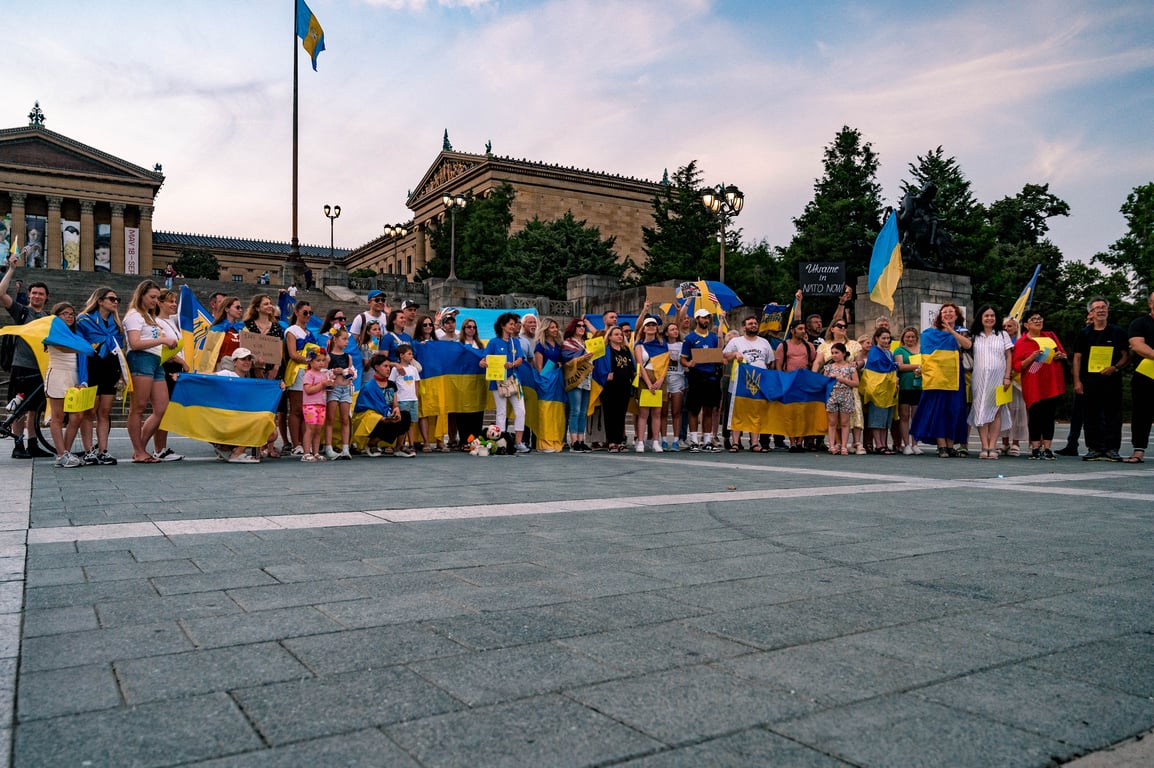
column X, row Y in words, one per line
column 656, row 295
column 822, row 278
column 707, row 355
column 267, row 349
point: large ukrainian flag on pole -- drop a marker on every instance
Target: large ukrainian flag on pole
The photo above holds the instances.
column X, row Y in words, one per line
column 195, row 323
column 1026, row 298
column 886, row 264
column 223, row 409
column 310, row 32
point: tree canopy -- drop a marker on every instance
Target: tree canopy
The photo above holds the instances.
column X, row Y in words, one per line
column 197, row 263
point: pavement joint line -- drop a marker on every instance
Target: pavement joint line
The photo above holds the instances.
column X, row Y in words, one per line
column 16, row 479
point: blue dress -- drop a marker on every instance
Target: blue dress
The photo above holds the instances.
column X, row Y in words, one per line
column 942, row 414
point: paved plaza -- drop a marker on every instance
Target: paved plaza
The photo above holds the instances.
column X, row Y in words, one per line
column 647, row 611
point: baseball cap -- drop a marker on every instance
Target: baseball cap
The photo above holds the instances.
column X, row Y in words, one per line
column 375, row 294
column 649, row 320
column 406, row 304
column 240, row 352
column 702, row 313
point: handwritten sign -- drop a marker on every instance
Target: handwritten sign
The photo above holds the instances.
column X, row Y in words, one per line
column 822, row 278
column 656, row 295
column 267, row 349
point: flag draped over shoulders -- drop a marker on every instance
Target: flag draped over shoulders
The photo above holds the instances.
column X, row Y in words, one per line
column 941, row 363
column 223, row 409
column 879, row 379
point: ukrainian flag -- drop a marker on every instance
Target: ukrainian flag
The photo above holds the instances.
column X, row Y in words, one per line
column 452, row 381
column 941, row 366
column 54, row 331
column 544, row 393
column 310, row 32
column 223, row 409
column 373, row 402
column 879, row 379
column 772, row 318
column 195, row 325
column 772, row 402
column 1026, row 297
column 602, row 367
column 886, row 264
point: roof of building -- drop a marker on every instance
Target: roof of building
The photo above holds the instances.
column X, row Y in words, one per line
column 209, row 242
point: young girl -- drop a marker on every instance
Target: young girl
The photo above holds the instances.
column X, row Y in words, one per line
column 316, row 379
column 340, row 397
column 369, row 341
column 878, row 419
column 840, row 405
column 404, row 377
column 66, row 369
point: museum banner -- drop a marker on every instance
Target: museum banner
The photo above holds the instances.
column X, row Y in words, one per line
column 131, row 251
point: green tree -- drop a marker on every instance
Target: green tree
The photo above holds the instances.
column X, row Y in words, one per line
column 963, row 217
column 544, row 255
column 682, row 243
column 1132, row 255
column 197, row 263
column 759, row 275
column 844, row 217
column 482, row 240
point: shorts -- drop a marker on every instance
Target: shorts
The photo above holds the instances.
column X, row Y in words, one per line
column 410, row 407
column 314, row 413
column 704, row 391
column 298, row 383
column 909, row 396
column 878, row 417
column 59, row 381
column 25, row 381
column 104, row 374
column 675, row 382
column 841, row 400
column 340, row 394
column 145, row 364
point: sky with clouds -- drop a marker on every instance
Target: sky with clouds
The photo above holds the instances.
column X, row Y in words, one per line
column 1031, row 91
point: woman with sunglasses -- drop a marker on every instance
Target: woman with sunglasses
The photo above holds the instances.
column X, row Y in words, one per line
column 296, row 336
column 99, row 324
column 1036, row 355
column 469, row 424
column 837, row 335
column 575, row 359
column 424, row 332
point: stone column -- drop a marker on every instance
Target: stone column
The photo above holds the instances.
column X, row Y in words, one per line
column 19, row 228
column 421, row 238
column 117, row 240
column 53, row 238
column 87, row 236
column 146, row 240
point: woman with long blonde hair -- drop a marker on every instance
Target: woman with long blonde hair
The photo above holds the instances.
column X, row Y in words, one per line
column 146, row 338
column 99, row 324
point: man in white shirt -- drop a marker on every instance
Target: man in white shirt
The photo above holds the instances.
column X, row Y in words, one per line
column 751, row 349
column 378, row 310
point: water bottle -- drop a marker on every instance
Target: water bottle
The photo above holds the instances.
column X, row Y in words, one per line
column 15, row 402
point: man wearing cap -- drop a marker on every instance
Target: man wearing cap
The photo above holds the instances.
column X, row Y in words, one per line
column 751, row 349
column 447, row 330
column 242, row 360
column 409, row 316
column 378, row 310
column 25, row 375
column 703, row 382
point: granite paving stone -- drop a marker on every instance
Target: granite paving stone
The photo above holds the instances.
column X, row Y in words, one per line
column 654, row 647
column 1122, row 663
column 115, row 613
column 393, row 609
column 369, row 748
column 363, row 649
column 90, row 687
column 545, row 730
column 74, row 649
column 55, row 621
column 258, row 626
column 507, row 629
column 751, row 747
column 211, row 582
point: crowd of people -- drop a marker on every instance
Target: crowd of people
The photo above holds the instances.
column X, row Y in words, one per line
column 353, row 385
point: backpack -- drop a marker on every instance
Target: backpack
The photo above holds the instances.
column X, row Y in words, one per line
column 7, row 352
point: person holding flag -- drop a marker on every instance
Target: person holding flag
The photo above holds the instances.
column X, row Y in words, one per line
column 750, row 349
column 25, row 376
column 146, row 339
column 67, row 369
column 941, row 414
column 703, row 384
column 99, row 324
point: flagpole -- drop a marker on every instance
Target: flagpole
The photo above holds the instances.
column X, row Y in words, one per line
column 293, row 267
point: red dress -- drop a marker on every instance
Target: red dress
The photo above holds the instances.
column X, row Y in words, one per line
column 1048, row 380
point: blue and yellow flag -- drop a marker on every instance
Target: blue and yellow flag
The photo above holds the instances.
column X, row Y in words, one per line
column 772, row 402
column 879, row 378
column 545, row 405
column 773, row 318
column 1026, row 298
column 941, row 360
column 310, row 32
column 373, row 403
column 452, row 381
column 51, row 330
column 886, row 264
column 223, row 409
column 195, row 323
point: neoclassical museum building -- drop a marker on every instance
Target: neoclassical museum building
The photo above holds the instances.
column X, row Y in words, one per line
column 71, row 206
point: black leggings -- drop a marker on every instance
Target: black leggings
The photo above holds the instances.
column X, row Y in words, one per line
column 389, row 431
column 1041, row 420
column 1142, row 396
column 614, row 405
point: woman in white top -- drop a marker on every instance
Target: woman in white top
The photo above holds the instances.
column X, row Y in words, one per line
column 993, row 369
column 146, row 339
column 64, row 372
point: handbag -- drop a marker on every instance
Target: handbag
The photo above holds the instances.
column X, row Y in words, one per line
column 508, row 387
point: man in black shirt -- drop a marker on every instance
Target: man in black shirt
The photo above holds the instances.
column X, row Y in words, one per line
column 1141, row 335
column 1101, row 350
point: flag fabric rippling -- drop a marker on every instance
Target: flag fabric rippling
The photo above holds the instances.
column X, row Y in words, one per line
column 223, row 409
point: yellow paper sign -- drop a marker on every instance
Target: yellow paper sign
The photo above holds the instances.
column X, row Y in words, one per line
column 495, row 368
column 1003, row 395
column 167, row 353
column 78, row 400
column 1146, row 368
column 649, row 399
column 915, row 359
column 1048, row 347
column 1100, row 359
column 595, row 346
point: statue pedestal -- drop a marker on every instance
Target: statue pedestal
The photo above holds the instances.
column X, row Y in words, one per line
column 452, row 293
column 917, row 287
column 334, row 276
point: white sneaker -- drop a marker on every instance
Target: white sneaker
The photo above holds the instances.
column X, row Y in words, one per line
column 244, row 458
column 907, row 451
column 657, row 447
column 168, row 455
column 640, row 448
column 373, row 451
column 521, row 449
column 330, row 454
column 917, row 450
column 345, row 455
column 403, row 453
column 299, row 450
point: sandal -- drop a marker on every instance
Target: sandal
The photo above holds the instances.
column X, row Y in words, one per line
column 885, row 452
column 860, row 450
column 734, row 448
column 755, row 449
column 1014, row 451
column 1134, row 458
column 146, row 460
column 843, row 451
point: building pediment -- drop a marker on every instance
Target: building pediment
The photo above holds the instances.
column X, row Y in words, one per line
column 447, row 166
column 37, row 148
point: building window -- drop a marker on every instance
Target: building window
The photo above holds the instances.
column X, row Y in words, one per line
column 238, row 278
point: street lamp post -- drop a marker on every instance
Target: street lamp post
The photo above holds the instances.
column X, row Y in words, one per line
column 452, row 203
column 725, row 202
column 333, row 212
column 395, row 231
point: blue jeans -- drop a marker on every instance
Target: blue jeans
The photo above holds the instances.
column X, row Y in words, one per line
column 578, row 410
